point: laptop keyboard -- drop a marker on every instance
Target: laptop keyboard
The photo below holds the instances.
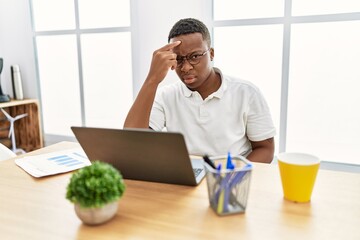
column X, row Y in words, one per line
column 197, row 171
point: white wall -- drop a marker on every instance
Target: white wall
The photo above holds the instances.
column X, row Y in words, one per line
column 151, row 23
column 16, row 45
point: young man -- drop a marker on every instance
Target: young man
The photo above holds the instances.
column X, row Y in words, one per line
column 214, row 112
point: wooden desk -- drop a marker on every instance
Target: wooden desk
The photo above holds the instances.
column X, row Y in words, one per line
column 28, row 132
column 33, row 208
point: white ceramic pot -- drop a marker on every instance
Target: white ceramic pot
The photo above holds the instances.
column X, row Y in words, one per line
column 94, row 216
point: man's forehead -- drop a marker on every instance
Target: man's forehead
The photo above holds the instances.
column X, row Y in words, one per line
column 189, row 44
column 188, row 37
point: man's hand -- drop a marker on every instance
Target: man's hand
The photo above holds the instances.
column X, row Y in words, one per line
column 163, row 59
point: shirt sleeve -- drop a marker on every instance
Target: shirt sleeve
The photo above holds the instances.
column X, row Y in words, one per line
column 259, row 122
column 157, row 115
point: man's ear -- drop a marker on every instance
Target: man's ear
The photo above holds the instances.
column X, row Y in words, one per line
column 212, row 54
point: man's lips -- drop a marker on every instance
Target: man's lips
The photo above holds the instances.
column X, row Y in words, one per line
column 188, row 79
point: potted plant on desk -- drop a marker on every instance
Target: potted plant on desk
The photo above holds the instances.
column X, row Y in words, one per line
column 95, row 191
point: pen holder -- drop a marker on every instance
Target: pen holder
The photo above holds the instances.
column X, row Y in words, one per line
column 228, row 190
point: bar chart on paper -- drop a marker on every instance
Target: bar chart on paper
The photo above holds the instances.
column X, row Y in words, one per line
column 54, row 163
column 67, row 160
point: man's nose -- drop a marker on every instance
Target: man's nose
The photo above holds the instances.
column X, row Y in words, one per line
column 186, row 66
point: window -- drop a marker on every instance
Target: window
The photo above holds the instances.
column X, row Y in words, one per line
column 244, row 9
column 323, row 112
column 84, row 63
column 303, row 55
column 50, row 15
column 315, row 7
column 109, row 13
column 59, row 74
column 107, row 74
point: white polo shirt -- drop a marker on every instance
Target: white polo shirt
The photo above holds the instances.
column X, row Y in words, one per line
column 224, row 121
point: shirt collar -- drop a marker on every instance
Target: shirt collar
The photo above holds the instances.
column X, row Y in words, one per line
column 187, row 92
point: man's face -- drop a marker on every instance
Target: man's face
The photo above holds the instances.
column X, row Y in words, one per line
column 193, row 46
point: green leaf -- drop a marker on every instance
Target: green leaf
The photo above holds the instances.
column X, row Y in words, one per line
column 95, row 185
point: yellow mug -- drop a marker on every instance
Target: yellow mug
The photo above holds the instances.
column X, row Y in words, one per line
column 298, row 174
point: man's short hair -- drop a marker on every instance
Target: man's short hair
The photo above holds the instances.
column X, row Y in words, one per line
column 188, row 26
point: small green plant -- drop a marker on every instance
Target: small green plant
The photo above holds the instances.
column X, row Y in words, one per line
column 95, row 185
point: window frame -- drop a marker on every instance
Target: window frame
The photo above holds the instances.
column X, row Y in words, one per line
column 50, row 138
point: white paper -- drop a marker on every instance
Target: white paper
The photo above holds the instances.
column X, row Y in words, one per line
column 54, row 163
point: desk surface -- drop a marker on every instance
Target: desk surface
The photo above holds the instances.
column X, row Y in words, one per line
column 33, row 208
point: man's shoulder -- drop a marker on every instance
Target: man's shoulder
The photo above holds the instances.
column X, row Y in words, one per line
column 236, row 84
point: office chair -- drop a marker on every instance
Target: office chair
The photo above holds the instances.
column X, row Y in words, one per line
column 12, row 130
column 5, row 153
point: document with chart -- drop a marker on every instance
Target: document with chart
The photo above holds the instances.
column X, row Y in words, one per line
column 54, row 163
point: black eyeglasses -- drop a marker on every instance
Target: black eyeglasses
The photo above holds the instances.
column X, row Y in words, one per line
column 193, row 58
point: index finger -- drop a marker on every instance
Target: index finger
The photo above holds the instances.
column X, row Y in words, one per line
column 170, row 46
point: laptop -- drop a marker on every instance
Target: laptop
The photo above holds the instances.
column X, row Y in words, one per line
column 141, row 154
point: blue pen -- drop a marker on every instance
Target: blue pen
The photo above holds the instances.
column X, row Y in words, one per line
column 229, row 164
column 239, row 175
column 237, row 179
column 218, row 168
column 223, row 199
column 226, row 189
column 221, row 195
